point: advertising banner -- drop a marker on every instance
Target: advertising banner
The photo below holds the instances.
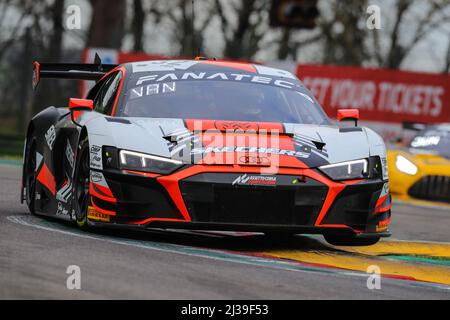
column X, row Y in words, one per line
column 381, row 95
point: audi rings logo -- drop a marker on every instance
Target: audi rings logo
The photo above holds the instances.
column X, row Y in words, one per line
column 254, row 161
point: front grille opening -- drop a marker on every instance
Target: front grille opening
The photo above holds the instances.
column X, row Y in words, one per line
column 247, row 205
column 353, row 206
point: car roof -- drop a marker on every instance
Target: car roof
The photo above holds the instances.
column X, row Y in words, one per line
column 206, row 65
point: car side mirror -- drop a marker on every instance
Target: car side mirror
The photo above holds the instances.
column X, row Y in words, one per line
column 81, row 104
column 348, row 115
column 78, row 105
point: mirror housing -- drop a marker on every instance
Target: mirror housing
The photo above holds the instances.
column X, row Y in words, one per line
column 78, row 105
column 348, row 115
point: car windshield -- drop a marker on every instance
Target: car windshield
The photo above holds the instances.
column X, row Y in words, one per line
column 280, row 101
column 435, row 140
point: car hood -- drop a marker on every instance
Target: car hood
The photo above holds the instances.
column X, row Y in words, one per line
column 227, row 142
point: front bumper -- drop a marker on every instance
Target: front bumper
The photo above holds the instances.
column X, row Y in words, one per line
column 222, row 198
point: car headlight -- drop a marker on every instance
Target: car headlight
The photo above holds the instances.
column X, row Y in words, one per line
column 144, row 162
column 349, row 170
column 406, row 166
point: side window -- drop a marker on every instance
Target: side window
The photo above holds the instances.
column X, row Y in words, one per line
column 104, row 100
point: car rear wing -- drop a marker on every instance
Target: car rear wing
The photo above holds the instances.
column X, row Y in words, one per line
column 76, row 71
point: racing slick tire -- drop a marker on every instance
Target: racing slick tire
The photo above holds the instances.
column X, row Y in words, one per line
column 30, row 174
column 81, row 198
column 350, row 240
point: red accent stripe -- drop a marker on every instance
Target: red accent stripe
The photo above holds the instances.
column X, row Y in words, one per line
column 235, row 65
column 46, row 178
column 145, row 174
column 384, row 222
column 123, row 70
column 102, row 196
column 381, row 200
column 111, row 213
column 105, row 190
column 381, row 210
column 156, row 219
column 399, row 277
column 351, row 182
column 333, row 191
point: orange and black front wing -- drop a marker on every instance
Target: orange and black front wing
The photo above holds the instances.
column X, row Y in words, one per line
column 237, row 198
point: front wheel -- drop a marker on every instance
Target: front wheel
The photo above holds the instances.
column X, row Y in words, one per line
column 350, row 241
column 81, row 183
column 30, row 174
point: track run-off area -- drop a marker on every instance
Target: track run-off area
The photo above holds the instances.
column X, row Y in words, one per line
column 35, row 253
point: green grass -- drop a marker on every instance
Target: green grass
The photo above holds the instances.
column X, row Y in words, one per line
column 11, row 157
column 424, row 259
column 11, row 160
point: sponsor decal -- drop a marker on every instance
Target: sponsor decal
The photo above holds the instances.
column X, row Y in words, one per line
column 281, row 152
column 65, row 192
column 96, row 157
column 219, row 76
column 95, row 149
column 166, row 65
column 261, row 180
column 152, row 89
column 70, row 155
column 421, row 142
column 96, row 176
column 381, row 228
column 50, row 137
column 61, row 211
column 93, row 214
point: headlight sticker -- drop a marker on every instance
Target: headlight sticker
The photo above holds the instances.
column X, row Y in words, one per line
column 384, row 168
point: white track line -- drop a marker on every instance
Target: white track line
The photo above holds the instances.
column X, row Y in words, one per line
column 249, row 260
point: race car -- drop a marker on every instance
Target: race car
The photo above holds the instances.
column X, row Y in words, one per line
column 204, row 144
column 422, row 169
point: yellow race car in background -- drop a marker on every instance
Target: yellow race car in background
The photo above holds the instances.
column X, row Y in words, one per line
column 422, row 169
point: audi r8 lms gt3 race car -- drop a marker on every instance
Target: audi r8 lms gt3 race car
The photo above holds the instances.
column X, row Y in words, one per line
column 201, row 144
column 422, row 170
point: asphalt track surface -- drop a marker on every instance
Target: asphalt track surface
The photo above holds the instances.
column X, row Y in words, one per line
column 35, row 253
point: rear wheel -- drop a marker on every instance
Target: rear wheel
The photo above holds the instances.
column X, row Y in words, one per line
column 30, row 174
column 81, row 185
column 350, row 241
